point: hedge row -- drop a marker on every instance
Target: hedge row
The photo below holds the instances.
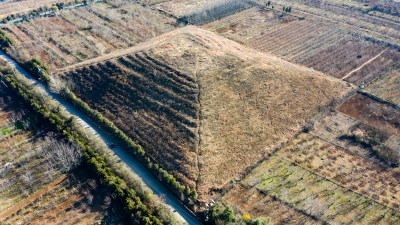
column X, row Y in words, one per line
column 5, row 40
column 132, row 203
column 135, row 150
column 37, row 69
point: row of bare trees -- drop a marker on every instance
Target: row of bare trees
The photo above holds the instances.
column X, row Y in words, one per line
column 216, row 11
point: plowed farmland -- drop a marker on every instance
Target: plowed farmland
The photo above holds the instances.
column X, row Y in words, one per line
column 86, row 32
column 316, row 44
column 373, row 113
column 201, row 105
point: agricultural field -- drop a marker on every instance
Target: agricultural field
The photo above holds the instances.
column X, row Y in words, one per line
column 260, row 204
column 86, row 32
column 333, row 50
column 360, row 17
column 332, row 129
column 178, row 8
column 289, row 116
column 306, row 191
column 345, row 168
column 372, row 113
column 13, row 7
column 37, row 184
column 197, row 117
column 387, row 87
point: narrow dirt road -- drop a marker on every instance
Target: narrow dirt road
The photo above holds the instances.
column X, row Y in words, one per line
column 364, row 64
column 152, row 182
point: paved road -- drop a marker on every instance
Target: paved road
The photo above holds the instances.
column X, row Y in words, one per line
column 153, row 183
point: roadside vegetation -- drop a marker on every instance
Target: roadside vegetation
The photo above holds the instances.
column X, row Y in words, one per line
column 40, row 171
column 140, row 207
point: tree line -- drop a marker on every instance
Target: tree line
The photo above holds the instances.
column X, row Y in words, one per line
column 133, row 204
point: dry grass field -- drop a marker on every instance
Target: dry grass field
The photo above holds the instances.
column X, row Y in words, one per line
column 34, row 187
column 86, row 32
column 332, row 128
column 200, row 103
column 12, row 7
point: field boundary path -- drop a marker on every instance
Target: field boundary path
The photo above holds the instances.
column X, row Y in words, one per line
column 364, row 64
column 151, row 181
column 32, row 198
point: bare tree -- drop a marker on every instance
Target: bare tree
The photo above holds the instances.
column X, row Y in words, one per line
column 61, row 154
column 27, row 177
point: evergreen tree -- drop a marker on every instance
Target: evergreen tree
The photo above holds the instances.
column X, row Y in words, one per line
column 187, row 190
column 194, row 195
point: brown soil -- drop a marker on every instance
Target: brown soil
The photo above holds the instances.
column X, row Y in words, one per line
column 31, row 198
column 258, row 204
column 372, row 113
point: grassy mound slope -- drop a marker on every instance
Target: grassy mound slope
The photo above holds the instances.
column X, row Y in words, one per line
column 203, row 106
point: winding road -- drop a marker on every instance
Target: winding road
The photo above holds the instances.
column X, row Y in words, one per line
column 152, row 182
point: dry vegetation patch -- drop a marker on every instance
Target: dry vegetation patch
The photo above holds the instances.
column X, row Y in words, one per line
column 345, row 168
column 311, row 193
column 321, row 45
column 203, row 106
column 180, row 8
column 11, row 7
column 86, row 32
column 334, row 126
column 259, row 204
column 373, row 113
column 387, row 87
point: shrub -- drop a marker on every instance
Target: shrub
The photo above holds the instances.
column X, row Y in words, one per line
column 221, row 214
column 228, row 214
column 5, row 40
column 37, row 69
column 187, row 190
column 194, row 195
